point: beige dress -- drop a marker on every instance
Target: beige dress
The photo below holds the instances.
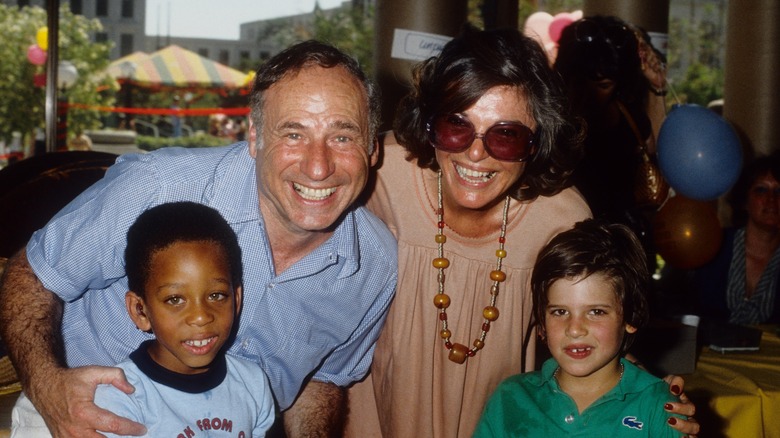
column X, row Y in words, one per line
column 413, row 390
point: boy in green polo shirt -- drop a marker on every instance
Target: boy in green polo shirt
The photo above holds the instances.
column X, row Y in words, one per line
column 589, row 288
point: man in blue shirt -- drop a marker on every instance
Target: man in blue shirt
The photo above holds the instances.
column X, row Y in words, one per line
column 319, row 272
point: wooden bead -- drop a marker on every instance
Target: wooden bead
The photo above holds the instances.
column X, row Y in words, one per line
column 490, row 313
column 458, row 353
column 501, row 253
column 445, row 334
column 478, row 344
column 441, row 301
column 441, row 262
column 496, row 275
column 441, row 238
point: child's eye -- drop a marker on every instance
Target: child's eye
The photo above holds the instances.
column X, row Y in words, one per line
column 218, row 296
column 174, row 300
column 598, row 312
column 557, row 312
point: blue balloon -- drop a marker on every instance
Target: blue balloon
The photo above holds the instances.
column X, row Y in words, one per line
column 698, row 152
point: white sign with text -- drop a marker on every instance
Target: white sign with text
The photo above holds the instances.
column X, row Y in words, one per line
column 416, row 46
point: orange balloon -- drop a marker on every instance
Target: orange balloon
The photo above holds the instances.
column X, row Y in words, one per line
column 687, row 232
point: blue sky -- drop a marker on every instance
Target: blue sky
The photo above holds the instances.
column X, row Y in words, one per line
column 218, row 18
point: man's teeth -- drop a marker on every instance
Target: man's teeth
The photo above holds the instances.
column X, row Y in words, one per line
column 474, row 175
column 199, row 342
column 313, row 194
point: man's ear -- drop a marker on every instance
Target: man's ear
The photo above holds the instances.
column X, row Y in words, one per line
column 252, row 139
column 375, row 153
column 136, row 309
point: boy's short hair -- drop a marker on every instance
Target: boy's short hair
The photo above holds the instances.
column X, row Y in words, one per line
column 163, row 225
column 595, row 246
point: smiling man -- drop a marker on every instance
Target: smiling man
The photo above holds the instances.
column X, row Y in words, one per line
column 319, row 273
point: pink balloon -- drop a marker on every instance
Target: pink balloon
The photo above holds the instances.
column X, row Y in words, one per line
column 36, row 55
column 537, row 26
column 559, row 22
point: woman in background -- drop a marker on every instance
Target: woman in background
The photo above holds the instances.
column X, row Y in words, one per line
column 740, row 285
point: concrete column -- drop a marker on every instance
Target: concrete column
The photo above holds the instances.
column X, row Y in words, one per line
column 442, row 17
column 500, row 13
column 752, row 83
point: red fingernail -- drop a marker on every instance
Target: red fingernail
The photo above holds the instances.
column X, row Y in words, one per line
column 672, row 421
column 676, row 390
column 668, row 406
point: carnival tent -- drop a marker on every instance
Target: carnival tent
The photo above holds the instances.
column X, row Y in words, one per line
column 176, row 67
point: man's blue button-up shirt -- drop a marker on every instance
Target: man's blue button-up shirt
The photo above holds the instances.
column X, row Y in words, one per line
column 319, row 318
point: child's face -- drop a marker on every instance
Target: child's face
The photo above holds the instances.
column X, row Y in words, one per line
column 190, row 305
column 584, row 326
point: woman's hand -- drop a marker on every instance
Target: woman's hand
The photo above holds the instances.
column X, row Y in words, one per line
column 685, row 407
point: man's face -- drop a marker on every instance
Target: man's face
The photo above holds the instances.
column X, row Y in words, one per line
column 313, row 159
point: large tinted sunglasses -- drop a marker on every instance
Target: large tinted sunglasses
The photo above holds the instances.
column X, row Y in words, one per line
column 505, row 141
column 588, row 31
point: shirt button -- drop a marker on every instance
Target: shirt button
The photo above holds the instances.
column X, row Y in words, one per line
column 569, row 419
column 271, row 285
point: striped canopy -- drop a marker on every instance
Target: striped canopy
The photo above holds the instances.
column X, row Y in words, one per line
column 174, row 66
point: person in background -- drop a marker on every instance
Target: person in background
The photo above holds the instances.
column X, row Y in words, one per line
column 474, row 182
column 319, row 271
column 184, row 272
column 740, row 285
column 590, row 288
column 175, row 118
column 616, row 83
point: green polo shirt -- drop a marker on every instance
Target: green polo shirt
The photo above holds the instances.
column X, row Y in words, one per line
column 533, row 405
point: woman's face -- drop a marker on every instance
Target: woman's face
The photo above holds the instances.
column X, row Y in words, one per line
column 472, row 179
column 763, row 202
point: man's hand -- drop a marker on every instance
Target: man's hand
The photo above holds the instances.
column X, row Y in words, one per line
column 685, row 408
column 30, row 318
column 65, row 400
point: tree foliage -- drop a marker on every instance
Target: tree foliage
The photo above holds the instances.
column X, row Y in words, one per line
column 22, row 104
column 697, row 54
column 350, row 29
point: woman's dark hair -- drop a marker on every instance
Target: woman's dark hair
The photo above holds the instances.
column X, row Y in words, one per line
column 466, row 69
column 596, row 247
column 737, row 197
column 602, row 47
column 306, row 54
column 163, row 225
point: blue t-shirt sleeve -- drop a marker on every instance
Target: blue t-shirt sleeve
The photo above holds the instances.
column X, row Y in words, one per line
column 112, row 399
column 266, row 410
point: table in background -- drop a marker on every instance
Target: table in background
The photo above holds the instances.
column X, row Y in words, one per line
column 738, row 394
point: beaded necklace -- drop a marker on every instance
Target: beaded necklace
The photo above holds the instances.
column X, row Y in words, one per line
column 459, row 352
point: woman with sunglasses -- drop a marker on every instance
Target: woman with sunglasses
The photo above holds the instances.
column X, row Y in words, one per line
column 473, row 184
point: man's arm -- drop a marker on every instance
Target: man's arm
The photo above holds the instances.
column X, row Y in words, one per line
column 319, row 412
column 30, row 318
